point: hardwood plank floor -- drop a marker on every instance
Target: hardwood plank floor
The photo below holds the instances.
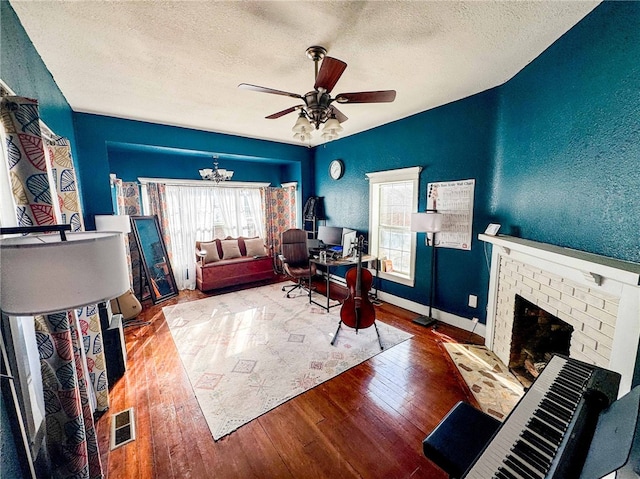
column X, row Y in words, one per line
column 369, row 422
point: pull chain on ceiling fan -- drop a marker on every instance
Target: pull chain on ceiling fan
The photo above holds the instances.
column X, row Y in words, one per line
column 317, row 108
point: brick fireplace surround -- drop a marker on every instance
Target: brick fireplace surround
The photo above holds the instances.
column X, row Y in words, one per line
column 598, row 296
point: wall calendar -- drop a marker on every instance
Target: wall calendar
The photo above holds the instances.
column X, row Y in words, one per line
column 454, row 199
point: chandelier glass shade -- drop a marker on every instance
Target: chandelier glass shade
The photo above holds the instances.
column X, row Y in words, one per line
column 310, row 119
column 302, row 128
column 331, row 129
column 216, row 174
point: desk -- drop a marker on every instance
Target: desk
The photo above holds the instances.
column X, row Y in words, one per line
column 334, row 263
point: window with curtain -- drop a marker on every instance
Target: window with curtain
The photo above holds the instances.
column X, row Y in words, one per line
column 393, row 196
column 197, row 213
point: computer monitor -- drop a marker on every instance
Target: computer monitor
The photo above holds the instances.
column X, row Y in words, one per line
column 348, row 239
column 330, row 235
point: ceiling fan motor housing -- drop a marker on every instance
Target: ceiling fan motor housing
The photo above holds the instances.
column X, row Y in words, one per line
column 317, row 107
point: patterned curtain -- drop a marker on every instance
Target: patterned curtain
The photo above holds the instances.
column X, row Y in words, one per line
column 131, row 204
column 279, row 211
column 71, row 438
column 128, row 200
column 64, row 177
column 116, row 183
column 157, row 193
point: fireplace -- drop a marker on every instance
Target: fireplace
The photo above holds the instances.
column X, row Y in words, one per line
column 598, row 297
column 536, row 336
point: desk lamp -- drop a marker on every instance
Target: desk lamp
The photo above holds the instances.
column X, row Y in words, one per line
column 429, row 222
column 44, row 274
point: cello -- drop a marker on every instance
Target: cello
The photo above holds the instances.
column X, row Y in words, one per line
column 357, row 311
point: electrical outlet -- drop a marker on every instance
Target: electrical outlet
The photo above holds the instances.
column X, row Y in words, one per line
column 473, row 301
column 474, row 320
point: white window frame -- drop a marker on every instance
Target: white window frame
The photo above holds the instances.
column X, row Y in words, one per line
column 385, row 177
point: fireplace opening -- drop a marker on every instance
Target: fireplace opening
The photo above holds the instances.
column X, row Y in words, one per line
column 536, row 336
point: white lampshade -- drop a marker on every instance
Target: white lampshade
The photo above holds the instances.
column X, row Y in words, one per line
column 206, row 172
column 302, row 125
column 42, row 274
column 119, row 223
column 332, row 126
column 329, row 136
column 427, row 222
column 304, row 136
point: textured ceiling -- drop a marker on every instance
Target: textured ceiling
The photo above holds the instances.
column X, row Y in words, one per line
column 179, row 62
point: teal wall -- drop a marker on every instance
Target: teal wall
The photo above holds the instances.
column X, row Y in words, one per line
column 568, row 154
column 452, row 142
column 131, row 163
column 134, row 148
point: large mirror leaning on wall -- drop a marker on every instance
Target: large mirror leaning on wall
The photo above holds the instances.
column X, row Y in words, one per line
column 154, row 258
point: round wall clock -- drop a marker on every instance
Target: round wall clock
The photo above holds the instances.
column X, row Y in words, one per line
column 336, row 169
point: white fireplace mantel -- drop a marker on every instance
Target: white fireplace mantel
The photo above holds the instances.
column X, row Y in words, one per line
column 594, row 265
column 589, row 278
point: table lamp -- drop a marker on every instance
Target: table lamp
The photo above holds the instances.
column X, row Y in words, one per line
column 429, row 222
column 49, row 273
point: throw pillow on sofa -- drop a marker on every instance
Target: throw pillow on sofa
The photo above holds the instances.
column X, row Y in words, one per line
column 230, row 249
column 212, row 252
column 255, row 247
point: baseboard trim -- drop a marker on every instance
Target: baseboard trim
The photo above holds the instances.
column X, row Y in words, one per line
column 443, row 316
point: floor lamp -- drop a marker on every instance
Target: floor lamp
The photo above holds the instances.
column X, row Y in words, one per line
column 429, row 222
column 44, row 274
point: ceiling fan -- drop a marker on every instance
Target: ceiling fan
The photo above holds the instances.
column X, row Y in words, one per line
column 318, row 105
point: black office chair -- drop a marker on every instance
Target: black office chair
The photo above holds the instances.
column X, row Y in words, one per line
column 294, row 256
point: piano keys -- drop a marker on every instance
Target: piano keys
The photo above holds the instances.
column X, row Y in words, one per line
column 547, row 434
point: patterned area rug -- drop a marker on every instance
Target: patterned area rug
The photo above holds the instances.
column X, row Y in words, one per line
column 494, row 387
column 249, row 351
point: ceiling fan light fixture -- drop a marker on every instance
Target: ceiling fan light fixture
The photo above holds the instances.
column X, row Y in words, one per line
column 332, row 125
column 327, row 136
column 302, row 124
column 302, row 136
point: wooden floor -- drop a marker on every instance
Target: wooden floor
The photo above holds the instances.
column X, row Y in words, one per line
column 369, row 422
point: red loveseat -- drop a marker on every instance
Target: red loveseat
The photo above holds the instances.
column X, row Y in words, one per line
column 231, row 262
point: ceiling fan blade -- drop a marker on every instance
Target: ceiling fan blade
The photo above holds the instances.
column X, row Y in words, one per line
column 383, row 96
column 247, row 86
column 341, row 117
column 283, row 112
column 330, row 72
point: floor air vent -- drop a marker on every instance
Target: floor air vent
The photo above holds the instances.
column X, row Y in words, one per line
column 123, row 428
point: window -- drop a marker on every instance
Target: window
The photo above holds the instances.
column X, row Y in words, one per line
column 197, row 212
column 393, row 196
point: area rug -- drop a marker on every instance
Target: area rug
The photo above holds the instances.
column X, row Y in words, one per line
column 494, row 387
column 249, row 351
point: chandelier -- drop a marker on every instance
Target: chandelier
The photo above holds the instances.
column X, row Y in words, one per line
column 216, row 174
